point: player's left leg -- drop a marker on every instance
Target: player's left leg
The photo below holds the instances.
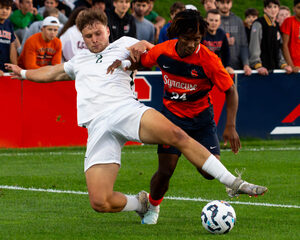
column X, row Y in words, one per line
column 159, row 184
column 155, row 128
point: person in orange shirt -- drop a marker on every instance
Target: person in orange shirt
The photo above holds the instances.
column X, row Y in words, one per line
column 42, row 48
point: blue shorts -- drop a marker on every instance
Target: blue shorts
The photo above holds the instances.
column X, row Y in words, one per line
column 202, row 128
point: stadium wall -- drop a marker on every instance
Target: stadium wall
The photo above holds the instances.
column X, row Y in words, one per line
column 44, row 115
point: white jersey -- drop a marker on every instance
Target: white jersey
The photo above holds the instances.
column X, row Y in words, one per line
column 98, row 92
column 72, row 43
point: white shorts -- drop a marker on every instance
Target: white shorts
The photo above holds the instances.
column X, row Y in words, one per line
column 108, row 133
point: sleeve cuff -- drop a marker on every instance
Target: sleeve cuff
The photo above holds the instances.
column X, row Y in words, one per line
column 283, row 66
column 257, row 65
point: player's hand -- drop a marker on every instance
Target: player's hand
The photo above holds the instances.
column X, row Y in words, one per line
column 247, row 70
column 1, row 73
column 288, row 69
column 137, row 50
column 229, row 70
column 296, row 69
column 15, row 69
column 231, row 41
column 263, row 71
column 232, row 136
column 117, row 63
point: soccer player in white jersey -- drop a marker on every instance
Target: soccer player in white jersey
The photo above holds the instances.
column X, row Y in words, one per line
column 107, row 107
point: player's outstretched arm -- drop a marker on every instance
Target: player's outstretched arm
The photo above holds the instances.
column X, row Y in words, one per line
column 43, row 74
column 136, row 50
column 133, row 62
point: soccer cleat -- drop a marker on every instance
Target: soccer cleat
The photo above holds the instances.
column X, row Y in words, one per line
column 151, row 216
column 240, row 186
column 143, row 198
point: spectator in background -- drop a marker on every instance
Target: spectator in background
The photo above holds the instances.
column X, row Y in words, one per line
column 251, row 14
column 37, row 3
column 174, row 9
column 8, row 50
column 70, row 37
column 191, row 7
column 15, row 5
column 99, row 4
column 109, row 5
column 43, row 48
column 23, row 17
column 37, row 26
column 215, row 38
column 120, row 22
column 236, row 36
column 153, row 17
column 144, row 29
column 265, row 41
column 284, row 12
column 84, row 3
column 208, row 4
column 291, row 38
column 53, row 4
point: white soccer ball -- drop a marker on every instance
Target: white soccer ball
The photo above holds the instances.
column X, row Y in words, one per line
column 218, row 217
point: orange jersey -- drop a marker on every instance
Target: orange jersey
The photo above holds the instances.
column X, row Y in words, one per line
column 187, row 81
column 37, row 52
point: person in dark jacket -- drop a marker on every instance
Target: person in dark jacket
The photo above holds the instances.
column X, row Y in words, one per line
column 265, row 41
column 120, row 22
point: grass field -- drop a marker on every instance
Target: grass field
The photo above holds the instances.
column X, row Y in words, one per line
column 28, row 214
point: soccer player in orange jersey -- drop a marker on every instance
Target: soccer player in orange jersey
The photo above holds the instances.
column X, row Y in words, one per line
column 189, row 71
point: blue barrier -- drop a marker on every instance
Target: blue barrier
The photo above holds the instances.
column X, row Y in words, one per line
column 269, row 106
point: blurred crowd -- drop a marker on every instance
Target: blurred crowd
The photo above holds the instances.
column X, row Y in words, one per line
column 35, row 33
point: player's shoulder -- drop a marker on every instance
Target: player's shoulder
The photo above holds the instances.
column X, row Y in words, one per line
column 166, row 45
column 124, row 41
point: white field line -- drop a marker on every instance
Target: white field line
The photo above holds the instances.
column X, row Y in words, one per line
column 146, row 152
column 170, row 198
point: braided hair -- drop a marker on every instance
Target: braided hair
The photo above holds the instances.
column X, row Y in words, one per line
column 187, row 22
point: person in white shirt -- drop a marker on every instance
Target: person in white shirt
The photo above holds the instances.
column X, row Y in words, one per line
column 107, row 107
column 70, row 37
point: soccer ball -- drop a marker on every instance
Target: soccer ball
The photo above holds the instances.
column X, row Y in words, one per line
column 218, row 217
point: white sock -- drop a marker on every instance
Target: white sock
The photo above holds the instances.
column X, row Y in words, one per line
column 132, row 204
column 154, row 208
column 216, row 169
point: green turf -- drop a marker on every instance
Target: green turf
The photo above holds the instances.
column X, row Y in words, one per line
column 41, row 215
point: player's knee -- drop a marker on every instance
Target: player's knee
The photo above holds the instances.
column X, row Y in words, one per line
column 100, row 205
column 165, row 174
column 178, row 138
